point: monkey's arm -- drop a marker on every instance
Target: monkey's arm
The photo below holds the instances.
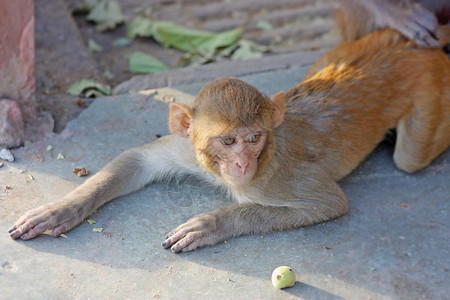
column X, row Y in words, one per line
column 126, row 173
column 312, row 202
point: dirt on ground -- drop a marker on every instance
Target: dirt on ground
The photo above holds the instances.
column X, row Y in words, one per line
column 63, row 55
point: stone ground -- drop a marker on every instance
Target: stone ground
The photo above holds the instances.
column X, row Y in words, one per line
column 393, row 243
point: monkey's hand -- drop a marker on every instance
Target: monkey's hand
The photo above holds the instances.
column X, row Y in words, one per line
column 197, row 232
column 411, row 19
column 58, row 217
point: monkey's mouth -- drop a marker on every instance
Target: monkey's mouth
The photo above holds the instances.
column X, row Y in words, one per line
column 236, row 177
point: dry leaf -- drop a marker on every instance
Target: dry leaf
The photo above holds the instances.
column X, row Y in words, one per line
column 80, row 171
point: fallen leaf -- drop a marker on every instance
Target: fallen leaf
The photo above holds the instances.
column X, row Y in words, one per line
column 404, row 205
column 371, row 269
column 91, row 221
column 227, row 51
column 196, row 58
column 109, row 75
column 248, row 50
column 97, row 229
column 50, row 148
column 107, row 14
column 94, row 46
column 121, row 42
column 60, row 156
column 140, row 26
column 264, row 25
column 186, row 39
column 81, row 103
column 80, row 172
column 84, row 85
column 142, row 63
column 93, row 93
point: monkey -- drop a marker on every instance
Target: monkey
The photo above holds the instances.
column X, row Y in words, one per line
column 416, row 19
column 280, row 157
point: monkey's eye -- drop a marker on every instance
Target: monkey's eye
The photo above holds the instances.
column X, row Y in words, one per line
column 228, row 141
column 254, row 138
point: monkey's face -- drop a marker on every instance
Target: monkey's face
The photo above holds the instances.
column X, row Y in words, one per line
column 231, row 127
column 234, row 155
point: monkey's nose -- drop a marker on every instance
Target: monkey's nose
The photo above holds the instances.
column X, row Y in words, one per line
column 242, row 166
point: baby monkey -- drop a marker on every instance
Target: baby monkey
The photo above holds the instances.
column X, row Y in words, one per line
column 279, row 157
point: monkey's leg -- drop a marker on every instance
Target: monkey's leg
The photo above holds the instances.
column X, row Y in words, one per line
column 421, row 137
column 126, row 173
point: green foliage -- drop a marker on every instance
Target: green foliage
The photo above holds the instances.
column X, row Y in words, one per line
column 82, row 86
column 264, row 25
column 121, row 42
column 169, row 34
column 142, row 63
column 107, row 14
column 94, row 46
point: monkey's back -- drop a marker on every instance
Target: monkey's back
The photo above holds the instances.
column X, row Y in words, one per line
column 360, row 90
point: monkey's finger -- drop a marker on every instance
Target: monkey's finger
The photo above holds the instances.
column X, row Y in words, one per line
column 425, row 36
column 192, row 246
column 421, row 37
column 64, row 227
column 21, row 228
column 170, row 234
column 15, row 233
column 18, row 223
column 431, row 42
column 185, row 242
column 426, row 18
column 35, row 231
column 174, row 238
column 13, row 228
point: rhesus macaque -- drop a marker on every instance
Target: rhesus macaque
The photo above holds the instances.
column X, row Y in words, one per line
column 280, row 157
column 416, row 19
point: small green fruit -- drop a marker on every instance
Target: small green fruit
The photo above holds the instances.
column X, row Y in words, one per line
column 283, row 277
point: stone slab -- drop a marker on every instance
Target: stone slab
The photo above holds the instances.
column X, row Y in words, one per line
column 204, row 73
column 393, row 243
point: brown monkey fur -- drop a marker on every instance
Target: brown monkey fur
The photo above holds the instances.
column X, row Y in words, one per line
column 301, row 141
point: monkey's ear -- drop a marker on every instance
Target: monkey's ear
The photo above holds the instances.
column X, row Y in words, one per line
column 278, row 111
column 180, row 117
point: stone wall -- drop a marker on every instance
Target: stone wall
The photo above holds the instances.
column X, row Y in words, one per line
column 17, row 81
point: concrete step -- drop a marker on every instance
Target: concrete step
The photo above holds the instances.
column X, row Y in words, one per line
column 202, row 73
column 392, row 244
